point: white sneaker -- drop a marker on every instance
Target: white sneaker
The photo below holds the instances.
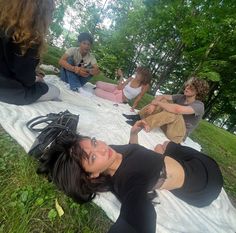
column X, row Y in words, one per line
column 85, row 93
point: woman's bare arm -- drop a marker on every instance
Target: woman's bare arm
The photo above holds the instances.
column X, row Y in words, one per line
column 139, row 97
column 136, row 128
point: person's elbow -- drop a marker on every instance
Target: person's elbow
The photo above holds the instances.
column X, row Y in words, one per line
column 61, row 62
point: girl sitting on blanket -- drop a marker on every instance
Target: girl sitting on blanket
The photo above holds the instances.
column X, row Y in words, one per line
column 126, row 90
column 82, row 166
column 23, row 27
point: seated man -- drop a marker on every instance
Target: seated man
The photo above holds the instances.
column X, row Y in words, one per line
column 177, row 115
column 78, row 64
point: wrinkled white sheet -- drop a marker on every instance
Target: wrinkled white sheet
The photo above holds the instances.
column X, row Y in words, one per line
column 103, row 119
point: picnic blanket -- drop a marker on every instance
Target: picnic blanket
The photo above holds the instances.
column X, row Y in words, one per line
column 103, row 119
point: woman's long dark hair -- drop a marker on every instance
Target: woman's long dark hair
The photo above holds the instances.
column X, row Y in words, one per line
column 62, row 163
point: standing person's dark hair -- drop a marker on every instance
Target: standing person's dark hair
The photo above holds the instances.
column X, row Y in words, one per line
column 23, row 28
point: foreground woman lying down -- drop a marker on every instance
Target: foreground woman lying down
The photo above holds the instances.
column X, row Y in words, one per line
column 82, row 166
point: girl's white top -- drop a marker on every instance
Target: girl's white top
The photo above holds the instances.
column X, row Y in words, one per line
column 131, row 92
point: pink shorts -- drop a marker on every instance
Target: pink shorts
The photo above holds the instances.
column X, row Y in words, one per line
column 109, row 91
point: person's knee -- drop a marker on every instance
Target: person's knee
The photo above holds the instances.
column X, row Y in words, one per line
column 56, row 91
column 98, row 84
column 159, row 149
column 52, row 93
column 175, row 137
column 99, row 92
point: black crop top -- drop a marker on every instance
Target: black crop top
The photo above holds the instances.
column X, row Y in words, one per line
column 139, row 171
column 136, row 175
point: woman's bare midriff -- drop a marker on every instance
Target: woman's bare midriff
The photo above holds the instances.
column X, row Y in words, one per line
column 175, row 174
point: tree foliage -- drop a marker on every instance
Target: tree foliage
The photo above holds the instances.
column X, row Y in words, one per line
column 175, row 39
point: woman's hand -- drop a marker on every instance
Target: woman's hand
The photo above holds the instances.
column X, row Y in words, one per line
column 138, row 126
column 119, row 73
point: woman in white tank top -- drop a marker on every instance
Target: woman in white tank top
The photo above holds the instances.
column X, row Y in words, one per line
column 126, row 90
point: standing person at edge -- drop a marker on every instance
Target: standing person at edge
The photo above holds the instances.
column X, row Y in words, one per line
column 78, row 64
column 23, row 27
column 177, row 115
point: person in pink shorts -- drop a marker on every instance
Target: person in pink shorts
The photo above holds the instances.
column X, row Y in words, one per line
column 132, row 88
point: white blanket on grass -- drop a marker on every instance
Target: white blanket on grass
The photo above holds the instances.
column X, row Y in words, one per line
column 103, row 119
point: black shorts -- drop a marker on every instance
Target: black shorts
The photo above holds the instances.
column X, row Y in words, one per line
column 203, row 179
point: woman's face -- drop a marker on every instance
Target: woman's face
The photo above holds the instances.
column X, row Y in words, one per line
column 100, row 156
column 138, row 76
column 189, row 90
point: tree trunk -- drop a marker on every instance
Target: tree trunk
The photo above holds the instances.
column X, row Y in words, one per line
column 210, row 104
column 210, row 47
column 224, row 122
column 168, row 68
column 231, row 128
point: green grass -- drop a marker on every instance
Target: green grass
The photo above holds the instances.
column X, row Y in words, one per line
column 216, row 142
column 27, row 201
column 52, row 55
column 220, row 145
